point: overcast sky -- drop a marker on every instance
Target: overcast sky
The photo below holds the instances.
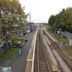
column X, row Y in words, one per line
column 42, row 9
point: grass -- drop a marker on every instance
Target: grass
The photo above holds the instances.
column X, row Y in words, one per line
column 10, row 53
column 68, row 50
column 13, row 51
column 65, row 47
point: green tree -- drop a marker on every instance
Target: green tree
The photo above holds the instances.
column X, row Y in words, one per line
column 12, row 18
column 62, row 20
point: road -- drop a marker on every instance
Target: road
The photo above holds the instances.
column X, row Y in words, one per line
column 18, row 63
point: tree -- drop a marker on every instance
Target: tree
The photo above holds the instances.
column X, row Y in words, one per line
column 62, row 20
column 12, row 18
column 51, row 20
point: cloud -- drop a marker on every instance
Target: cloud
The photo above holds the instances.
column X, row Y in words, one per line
column 42, row 9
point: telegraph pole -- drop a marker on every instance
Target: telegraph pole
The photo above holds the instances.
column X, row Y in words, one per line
column 29, row 17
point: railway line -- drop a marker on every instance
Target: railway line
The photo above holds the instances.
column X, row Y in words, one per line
column 48, row 57
column 63, row 62
column 41, row 60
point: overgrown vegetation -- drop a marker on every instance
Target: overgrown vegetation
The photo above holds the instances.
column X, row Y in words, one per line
column 68, row 50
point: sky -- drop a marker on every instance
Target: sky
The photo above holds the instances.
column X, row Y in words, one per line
column 41, row 10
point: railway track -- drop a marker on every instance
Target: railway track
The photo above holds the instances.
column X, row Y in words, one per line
column 49, row 59
column 63, row 62
column 41, row 63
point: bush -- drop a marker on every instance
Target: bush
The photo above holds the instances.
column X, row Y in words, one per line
column 10, row 53
column 16, row 40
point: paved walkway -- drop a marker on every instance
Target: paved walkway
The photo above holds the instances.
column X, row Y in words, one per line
column 18, row 63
